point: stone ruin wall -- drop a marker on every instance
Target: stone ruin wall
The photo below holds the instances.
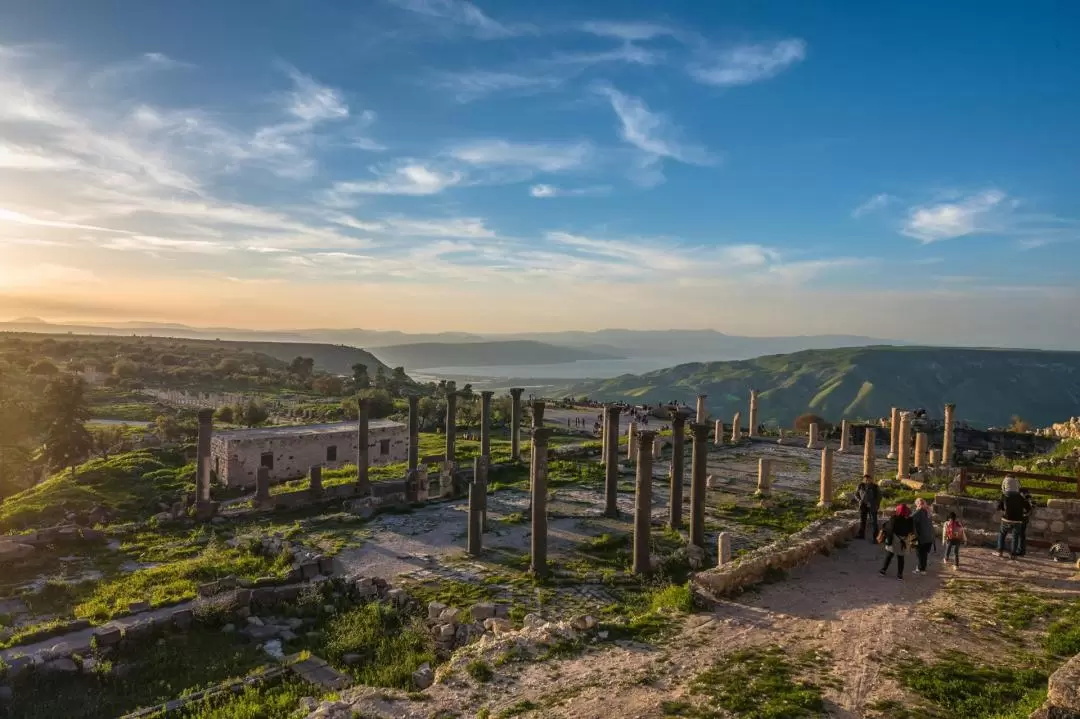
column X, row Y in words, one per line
column 235, row 460
column 1058, row 520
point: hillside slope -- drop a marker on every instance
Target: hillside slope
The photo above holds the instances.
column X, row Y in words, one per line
column 471, row 354
column 987, row 385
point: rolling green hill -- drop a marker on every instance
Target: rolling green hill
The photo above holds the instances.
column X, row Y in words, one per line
column 989, row 386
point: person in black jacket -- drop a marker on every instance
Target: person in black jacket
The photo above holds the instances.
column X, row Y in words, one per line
column 1014, row 509
column 898, row 532
column 868, row 497
column 1021, row 537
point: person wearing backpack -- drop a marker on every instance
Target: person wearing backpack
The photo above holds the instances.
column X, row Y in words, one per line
column 952, row 536
column 924, row 532
column 868, row 497
column 897, row 535
column 1013, row 508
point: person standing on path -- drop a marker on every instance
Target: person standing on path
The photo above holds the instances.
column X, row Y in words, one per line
column 868, row 497
column 1022, row 536
column 952, row 536
column 924, row 533
column 897, row 536
column 1013, row 508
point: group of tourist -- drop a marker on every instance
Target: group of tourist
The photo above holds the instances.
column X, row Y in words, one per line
column 908, row 530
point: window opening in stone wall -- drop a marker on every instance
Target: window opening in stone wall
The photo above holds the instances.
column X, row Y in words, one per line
column 331, row 453
column 384, row 447
column 266, row 459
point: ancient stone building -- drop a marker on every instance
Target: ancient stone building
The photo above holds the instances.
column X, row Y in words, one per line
column 288, row 452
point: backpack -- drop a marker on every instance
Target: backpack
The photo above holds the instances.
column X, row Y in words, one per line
column 954, row 531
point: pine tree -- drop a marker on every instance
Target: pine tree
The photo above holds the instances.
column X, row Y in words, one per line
column 67, row 441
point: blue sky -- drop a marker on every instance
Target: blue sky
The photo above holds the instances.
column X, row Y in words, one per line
column 903, row 170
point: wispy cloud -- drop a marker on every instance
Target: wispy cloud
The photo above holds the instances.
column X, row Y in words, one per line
column 465, row 15
column 543, row 156
column 133, row 68
column 652, row 132
column 154, row 245
column 629, row 31
column 469, row 86
column 545, row 191
column 878, row 202
column 404, row 177
column 746, row 64
column 947, row 220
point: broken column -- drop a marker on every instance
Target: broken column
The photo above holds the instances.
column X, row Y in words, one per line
column 736, row 428
column 903, row 449
column 869, row 454
column 678, row 440
column 611, row 462
column 764, row 477
column 362, row 483
column 603, row 436
column 843, row 436
column 515, row 423
column 538, row 484
column 894, row 432
column 698, row 469
column 826, row 484
column 718, row 433
column 414, row 432
column 921, row 442
column 812, row 442
column 202, row 462
column 643, row 501
column 723, row 549
column 262, row 486
column 451, row 426
column 753, row 414
column 480, row 475
column 315, row 479
column 631, row 441
column 947, row 440
column 485, row 423
column 702, row 415
column 474, row 543
column 932, row 458
column 538, row 413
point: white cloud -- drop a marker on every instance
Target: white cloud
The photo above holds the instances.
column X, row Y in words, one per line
column 628, row 31
column 449, row 227
column 22, row 219
column 16, row 157
column 628, row 53
column 149, row 243
column 875, row 203
column 545, row 191
column 469, row 86
column 946, row 220
column 543, row 156
column 652, row 132
column 312, row 102
column 463, row 14
column 746, row 64
column 406, row 177
column 128, row 70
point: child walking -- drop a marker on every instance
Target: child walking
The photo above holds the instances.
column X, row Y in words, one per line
column 952, row 536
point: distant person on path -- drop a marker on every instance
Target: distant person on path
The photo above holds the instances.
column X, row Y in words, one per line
column 1022, row 536
column 952, row 536
column 897, row 536
column 924, row 533
column 868, row 497
column 1013, row 508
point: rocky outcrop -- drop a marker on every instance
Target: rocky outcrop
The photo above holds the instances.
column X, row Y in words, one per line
column 1063, row 697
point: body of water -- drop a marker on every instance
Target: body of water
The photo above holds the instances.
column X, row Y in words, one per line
column 582, row 369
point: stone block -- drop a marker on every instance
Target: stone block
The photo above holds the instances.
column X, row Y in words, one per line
column 107, row 636
column 482, row 611
column 182, row 619
column 445, row 632
column 309, row 570
column 1068, row 505
column 498, row 625
column 62, row 665
column 1057, row 527
column 448, row 616
column 326, row 565
column 502, row 611
column 207, row 590
column 16, row 666
column 1064, row 686
column 397, row 597
column 435, row 609
column 423, row 677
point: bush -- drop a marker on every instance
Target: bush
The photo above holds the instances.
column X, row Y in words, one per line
column 803, row 422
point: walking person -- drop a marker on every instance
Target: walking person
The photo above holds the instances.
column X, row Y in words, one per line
column 1013, row 507
column 952, row 536
column 924, row 533
column 868, row 497
column 897, row 534
column 1022, row 536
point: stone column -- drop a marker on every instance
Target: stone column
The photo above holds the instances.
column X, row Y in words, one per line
column 826, row 486
column 643, row 501
column 753, row 414
column 315, row 479
column 631, row 441
column 932, row 458
column 262, row 486
column 451, row 425
column 843, row 436
column 894, row 433
column 362, row 483
column 718, row 433
column 414, row 432
column 764, row 477
column 812, row 443
column 480, row 476
column 903, row 449
column 474, row 543
column 515, row 423
column 868, row 452
column 538, row 413
column 611, row 463
column 202, row 462
column 723, row 549
column 678, row 451
column 947, row 451
column 702, row 414
column 485, row 423
column 603, row 437
column 698, row 473
column 920, row 450
column 538, row 483
column 736, row 428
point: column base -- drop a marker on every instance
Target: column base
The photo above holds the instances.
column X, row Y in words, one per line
column 891, row 455
column 824, row 505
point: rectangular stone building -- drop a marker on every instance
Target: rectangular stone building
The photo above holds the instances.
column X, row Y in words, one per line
column 288, row 452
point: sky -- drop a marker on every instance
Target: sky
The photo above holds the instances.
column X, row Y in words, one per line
column 898, row 170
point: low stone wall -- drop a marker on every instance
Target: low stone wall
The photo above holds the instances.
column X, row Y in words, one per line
column 1056, row 521
column 1063, row 697
column 21, row 547
column 817, row 537
column 264, row 675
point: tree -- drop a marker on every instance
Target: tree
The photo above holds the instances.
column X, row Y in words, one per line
column 125, row 369
column 1019, row 424
column 18, row 430
column 803, row 422
column 302, row 367
column 108, row 439
column 45, row 368
column 224, row 414
column 468, row 412
column 253, row 413
column 431, row 413
column 380, row 377
column 228, row 365
column 501, row 409
column 328, row 385
column 360, row 376
column 167, row 428
column 399, row 381
column 67, row 442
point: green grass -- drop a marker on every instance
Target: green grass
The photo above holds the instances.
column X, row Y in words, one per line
column 276, row 700
column 479, row 670
column 783, row 513
column 959, row 687
column 451, row 592
column 391, row 645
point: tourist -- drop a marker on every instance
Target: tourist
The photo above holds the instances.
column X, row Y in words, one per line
column 952, row 536
column 1022, row 536
column 1013, row 508
column 868, row 497
column 924, row 533
column 896, row 535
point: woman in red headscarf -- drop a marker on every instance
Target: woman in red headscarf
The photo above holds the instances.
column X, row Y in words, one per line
column 896, row 535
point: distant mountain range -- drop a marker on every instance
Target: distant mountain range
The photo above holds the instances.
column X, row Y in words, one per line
column 425, row 355
column 989, row 386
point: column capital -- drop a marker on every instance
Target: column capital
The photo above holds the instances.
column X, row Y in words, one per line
column 645, row 436
column 516, row 392
column 613, row 409
column 950, row 407
column 487, row 393
column 700, row 430
column 206, row 415
column 678, row 417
